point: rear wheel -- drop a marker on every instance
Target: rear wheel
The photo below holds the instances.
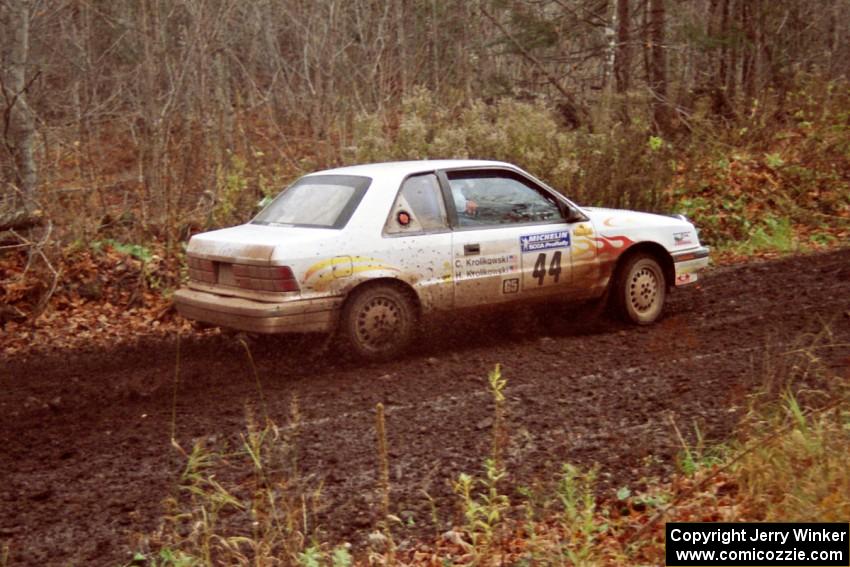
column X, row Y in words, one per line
column 378, row 322
column 640, row 290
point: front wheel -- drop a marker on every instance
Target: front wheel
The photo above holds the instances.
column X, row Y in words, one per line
column 640, row 290
column 378, row 322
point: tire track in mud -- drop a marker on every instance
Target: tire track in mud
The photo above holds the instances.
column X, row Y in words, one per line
column 86, row 459
column 446, row 402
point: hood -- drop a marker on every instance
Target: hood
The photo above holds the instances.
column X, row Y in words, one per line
column 255, row 244
column 618, row 218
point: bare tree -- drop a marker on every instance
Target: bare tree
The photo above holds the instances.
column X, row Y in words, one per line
column 622, row 60
column 623, row 55
column 658, row 66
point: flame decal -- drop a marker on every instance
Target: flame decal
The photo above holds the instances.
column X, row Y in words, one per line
column 618, row 221
column 322, row 272
column 603, row 247
column 584, row 247
column 330, row 263
column 612, row 246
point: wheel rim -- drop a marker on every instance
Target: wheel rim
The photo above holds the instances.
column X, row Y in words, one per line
column 378, row 324
column 643, row 289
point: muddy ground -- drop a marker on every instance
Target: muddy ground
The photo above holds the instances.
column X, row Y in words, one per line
column 85, row 438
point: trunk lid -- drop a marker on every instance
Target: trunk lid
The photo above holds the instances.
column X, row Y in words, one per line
column 231, row 260
column 253, row 243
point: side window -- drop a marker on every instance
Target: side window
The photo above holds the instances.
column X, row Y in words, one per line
column 494, row 198
column 419, row 207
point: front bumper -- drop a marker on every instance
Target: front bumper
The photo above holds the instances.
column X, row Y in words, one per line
column 688, row 263
column 295, row 316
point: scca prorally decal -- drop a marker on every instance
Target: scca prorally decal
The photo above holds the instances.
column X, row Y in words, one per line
column 545, row 241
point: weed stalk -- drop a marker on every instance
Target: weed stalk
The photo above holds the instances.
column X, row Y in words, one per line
column 174, row 394
column 257, row 382
column 384, row 460
column 497, row 388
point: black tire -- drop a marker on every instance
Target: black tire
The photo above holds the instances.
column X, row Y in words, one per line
column 639, row 290
column 378, row 322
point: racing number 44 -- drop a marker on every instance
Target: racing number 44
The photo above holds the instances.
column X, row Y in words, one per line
column 540, row 271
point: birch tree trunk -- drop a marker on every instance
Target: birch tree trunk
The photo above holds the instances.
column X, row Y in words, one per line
column 17, row 166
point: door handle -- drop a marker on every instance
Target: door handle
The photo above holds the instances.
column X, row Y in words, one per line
column 471, row 249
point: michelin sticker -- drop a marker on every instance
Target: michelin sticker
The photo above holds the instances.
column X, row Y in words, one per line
column 545, row 241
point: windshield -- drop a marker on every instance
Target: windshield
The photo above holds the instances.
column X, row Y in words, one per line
column 325, row 201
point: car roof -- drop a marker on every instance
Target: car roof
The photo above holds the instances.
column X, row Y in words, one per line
column 404, row 168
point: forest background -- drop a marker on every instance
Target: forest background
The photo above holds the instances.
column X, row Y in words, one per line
column 128, row 125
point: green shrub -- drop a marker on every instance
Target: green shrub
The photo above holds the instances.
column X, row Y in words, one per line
column 620, row 167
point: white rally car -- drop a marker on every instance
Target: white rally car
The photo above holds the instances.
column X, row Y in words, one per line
column 370, row 250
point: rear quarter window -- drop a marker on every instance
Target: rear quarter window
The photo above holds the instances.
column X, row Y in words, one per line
column 418, row 207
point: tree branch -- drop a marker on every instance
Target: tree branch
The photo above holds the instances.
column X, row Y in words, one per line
column 536, row 62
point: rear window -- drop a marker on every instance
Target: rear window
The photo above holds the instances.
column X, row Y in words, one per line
column 321, row 201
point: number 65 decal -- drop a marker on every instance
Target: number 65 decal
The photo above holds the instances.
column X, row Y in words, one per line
column 540, row 272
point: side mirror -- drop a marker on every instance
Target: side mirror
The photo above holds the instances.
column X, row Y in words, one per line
column 570, row 214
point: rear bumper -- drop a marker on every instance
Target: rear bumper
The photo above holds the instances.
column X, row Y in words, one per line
column 688, row 264
column 298, row 316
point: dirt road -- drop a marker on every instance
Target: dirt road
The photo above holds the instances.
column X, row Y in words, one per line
column 84, row 439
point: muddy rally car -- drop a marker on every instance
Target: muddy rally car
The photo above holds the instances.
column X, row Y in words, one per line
column 368, row 251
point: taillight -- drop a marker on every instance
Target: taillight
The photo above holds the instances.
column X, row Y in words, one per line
column 201, row 270
column 265, row 278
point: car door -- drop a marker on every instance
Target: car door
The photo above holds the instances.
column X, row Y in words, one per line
column 510, row 238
